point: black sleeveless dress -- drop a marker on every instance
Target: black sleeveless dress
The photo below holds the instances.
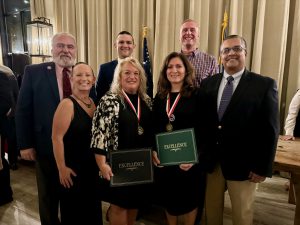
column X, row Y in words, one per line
column 80, row 204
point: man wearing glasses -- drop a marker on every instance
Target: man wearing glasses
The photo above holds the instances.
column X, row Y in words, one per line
column 242, row 130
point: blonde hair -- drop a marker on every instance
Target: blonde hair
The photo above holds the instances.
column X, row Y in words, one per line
column 116, row 83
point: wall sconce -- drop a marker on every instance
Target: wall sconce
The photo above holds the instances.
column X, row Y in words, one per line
column 39, row 34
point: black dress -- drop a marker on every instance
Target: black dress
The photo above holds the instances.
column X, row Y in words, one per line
column 178, row 191
column 134, row 196
column 80, row 204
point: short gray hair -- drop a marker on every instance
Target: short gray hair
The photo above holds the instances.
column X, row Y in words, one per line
column 55, row 36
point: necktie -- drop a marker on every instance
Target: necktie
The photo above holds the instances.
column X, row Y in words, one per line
column 67, row 91
column 226, row 96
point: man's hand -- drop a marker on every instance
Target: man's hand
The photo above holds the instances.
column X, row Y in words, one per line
column 28, row 154
column 287, row 137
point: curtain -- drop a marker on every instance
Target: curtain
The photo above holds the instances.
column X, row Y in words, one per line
column 271, row 29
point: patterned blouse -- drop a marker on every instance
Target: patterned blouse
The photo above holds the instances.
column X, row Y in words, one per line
column 105, row 129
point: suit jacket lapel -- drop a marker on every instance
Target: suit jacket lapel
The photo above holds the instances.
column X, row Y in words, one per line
column 216, row 91
column 240, row 89
column 51, row 75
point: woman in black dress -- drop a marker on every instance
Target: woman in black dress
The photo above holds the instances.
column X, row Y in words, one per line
column 177, row 105
column 71, row 137
column 122, row 121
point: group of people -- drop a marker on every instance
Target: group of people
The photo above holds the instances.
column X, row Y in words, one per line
column 69, row 127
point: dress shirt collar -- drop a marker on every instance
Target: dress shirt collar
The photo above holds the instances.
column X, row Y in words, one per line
column 120, row 60
column 236, row 76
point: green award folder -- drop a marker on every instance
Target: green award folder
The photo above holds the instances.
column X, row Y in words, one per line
column 131, row 167
column 177, row 147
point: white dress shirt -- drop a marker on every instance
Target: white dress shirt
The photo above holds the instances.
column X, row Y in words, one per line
column 237, row 77
column 290, row 121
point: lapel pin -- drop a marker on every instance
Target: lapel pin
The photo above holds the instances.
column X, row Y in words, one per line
column 49, row 67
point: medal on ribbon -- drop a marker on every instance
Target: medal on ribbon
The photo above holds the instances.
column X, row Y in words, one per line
column 169, row 127
column 140, row 129
column 170, row 109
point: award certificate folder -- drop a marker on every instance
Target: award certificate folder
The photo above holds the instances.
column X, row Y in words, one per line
column 177, row 147
column 131, row 167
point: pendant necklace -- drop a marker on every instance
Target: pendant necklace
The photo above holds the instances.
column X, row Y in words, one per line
column 88, row 105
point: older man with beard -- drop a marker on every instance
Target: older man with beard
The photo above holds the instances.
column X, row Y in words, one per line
column 44, row 86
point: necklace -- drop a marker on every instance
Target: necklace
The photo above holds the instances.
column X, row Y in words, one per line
column 89, row 105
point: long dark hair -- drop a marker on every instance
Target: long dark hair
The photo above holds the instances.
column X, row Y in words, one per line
column 164, row 85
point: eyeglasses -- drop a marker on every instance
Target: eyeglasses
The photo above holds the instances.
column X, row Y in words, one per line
column 235, row 49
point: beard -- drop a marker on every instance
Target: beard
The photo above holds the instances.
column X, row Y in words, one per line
column 64, row 61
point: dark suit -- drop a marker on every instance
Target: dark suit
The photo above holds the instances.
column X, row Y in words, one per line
column 5, row 105
column 8, row 125
column 246, row 137
column 5, row 99
column 38, row 100
column 105, row 78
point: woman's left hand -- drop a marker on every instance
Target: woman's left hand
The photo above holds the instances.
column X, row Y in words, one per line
column 186, row 166
column 105, row 171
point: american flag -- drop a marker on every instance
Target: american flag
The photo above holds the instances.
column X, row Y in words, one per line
column 147, row 68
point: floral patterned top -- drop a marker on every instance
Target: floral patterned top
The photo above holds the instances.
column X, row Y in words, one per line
column 105, row 129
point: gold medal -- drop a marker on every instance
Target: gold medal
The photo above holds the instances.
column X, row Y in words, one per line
column 169, row 127
column 140, row 130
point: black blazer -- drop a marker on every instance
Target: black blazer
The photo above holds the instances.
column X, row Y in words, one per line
column 246, row 138
column 105, row 78
column 38, row 100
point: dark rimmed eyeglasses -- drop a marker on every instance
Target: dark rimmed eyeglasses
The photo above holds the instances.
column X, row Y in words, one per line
column 235, row 49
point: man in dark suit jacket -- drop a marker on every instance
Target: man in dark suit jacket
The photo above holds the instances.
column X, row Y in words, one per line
column 41, row 91
column 125, row 46
column 8, row 123
column 242, row 142
column 5, row 108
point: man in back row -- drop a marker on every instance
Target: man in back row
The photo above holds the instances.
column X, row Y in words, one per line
column 205, row 65
column 125, row 46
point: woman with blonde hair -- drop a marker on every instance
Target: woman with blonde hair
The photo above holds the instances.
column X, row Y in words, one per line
column 122, row 121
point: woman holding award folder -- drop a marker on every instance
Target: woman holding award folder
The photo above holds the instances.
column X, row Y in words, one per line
column 177, row 105
column 122, row 121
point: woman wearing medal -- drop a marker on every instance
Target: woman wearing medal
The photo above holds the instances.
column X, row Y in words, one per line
column 123, row 121
column 71, row 137
column 177, row 105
